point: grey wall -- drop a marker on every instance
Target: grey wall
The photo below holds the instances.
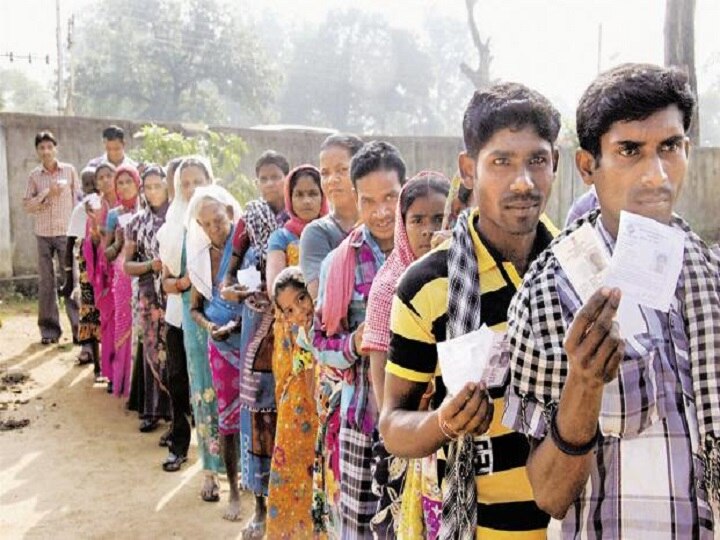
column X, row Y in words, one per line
column 80, row 140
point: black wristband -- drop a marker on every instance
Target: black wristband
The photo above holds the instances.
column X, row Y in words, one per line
column 567, row 448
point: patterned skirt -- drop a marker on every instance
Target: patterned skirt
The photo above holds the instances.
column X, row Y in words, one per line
column 89, row 323
column 358, row 504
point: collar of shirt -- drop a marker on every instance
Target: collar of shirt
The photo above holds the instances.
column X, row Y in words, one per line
column 57, row 167
column 369, row 239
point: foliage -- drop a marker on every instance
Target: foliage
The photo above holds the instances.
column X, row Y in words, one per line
column 170, row 60
column 356, row 72
column 19, row 93
column 224, row 150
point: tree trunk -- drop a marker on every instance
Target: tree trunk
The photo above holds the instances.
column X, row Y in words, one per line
column 680, row 47
column 480, row 76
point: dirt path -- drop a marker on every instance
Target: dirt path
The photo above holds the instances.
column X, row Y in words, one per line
column 81, row 469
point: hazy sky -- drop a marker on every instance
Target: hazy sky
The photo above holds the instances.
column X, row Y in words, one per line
column 550, row 45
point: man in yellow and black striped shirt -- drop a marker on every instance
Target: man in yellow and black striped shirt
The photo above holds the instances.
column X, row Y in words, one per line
column 509, row 162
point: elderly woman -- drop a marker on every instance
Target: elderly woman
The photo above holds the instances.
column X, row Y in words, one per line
column 187, row 342
column 211, row 217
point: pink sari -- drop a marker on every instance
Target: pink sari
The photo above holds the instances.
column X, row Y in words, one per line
column 123, row 296
column 101, row 275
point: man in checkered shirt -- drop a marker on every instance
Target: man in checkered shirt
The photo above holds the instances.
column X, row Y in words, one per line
column 52, row 191
column 652, row 471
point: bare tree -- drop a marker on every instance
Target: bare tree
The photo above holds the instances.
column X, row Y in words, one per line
column 480, row 77
column 680, row 46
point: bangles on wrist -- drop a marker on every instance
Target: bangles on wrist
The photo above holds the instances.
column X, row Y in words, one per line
column 449, row 433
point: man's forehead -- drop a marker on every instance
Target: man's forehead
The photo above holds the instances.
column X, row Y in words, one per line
column 662, row 124
column 509, row 141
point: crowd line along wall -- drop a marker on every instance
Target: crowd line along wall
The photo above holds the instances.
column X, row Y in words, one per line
column 80, row 140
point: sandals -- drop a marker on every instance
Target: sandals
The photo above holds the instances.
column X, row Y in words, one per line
column 213, row 495
column 165, row 438
column 49, row 341
column 83, row 358
column 148, row 426
column 173, row 463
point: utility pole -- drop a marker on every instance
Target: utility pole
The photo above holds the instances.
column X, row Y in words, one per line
column 599, row 49
column 69, row 102
column 59, row 43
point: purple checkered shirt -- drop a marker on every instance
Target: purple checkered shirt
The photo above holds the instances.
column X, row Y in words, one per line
column 641, row 484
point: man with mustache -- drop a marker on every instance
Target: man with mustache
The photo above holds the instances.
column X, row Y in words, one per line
column 635, row 457
column 509, row 163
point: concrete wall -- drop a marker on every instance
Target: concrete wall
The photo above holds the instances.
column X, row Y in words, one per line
column 80, row 140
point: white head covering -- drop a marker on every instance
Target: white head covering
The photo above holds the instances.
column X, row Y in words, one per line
column 170, row 236
column 198, row 243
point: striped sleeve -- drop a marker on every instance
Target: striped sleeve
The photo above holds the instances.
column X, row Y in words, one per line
column 417, row 306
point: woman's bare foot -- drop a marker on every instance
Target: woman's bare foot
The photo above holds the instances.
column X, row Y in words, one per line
column 255, row 528
column 232, row 512
column 210, row 491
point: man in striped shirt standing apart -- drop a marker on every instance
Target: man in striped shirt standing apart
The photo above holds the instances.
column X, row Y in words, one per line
column 509, row 162
column 51, row 194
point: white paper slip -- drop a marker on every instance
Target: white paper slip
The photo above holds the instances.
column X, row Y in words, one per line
column 473, row 357
column 250, row 278
column 124, row 219
column 584, row 259
column 647, row 261
column 94, row 201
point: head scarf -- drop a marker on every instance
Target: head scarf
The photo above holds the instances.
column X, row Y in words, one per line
column 171, row 234
column 260, row 222
column 156, row 170
column 296, row 225
column 198, row 243
column 128, row 204
column 376, row 336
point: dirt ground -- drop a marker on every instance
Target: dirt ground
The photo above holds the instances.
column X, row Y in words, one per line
column 81, row 468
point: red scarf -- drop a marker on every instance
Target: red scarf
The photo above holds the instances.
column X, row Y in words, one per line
column 296, row 225
column 128, row 204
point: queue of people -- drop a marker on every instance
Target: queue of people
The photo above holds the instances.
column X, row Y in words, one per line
column 300, row 333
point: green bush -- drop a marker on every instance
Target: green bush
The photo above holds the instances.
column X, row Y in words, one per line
column 224, row 150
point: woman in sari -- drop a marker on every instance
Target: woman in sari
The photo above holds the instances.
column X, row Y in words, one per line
column 290, row 486
column 99, row 269
column 187, row 342
column 319, row 238
column 211, row 215
column 258, row 413
column 421, row 210
column 127, row 187
column 142, row 261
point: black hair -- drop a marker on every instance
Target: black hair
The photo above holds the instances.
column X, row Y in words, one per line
column 153, row 169
column 377, row 156
column 291, row 276
column 507, row 105
column 304, row 170
column 45, row 136
column 172, row 165
column 114, row 133
column 195, row 162
column 464, row 194
column 271, row 157
column 105, row 165
column 630, row 92
column 421, row 185
column 348, row 141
